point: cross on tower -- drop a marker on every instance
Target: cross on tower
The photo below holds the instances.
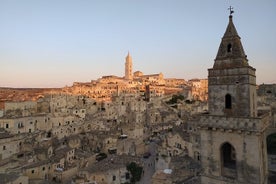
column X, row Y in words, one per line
column 231, row 9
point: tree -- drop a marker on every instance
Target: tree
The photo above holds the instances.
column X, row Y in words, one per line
column 136, row 171
column 175, row 98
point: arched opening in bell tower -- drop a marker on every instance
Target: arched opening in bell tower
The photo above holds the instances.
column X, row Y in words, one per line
column 271, row 156
column 228, row 101
column 228, row 160
column 229, row 47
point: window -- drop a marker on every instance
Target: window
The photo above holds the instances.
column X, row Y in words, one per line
column 4, row 147
column 32, row 171
column 197, row 156
column 43, row 168
column 49, row 134
column 127, row 176
column 229, row 47
column 228, row 101
column 30, row 130
column 253, row 96
column 114, row 178
column 7, row 125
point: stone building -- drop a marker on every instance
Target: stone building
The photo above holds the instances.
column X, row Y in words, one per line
column 232, row 136
column 18, row 109
column 157, row 79
column 110, row 170
column 26, row 124
column 199, row 89
column 178, row 142
column 13, row 178
column 10, row 144
column 37, row 170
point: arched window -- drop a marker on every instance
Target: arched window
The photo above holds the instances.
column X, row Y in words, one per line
column 228, row 101
column 228, row 156
column 229, row 47
column 228, row 160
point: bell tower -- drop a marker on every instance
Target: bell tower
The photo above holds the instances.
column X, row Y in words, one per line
column 128, row 67
column 232, row 81
column 232, row 135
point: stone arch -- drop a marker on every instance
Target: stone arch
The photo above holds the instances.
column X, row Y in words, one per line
column 228, row 101
column 271, row 154
column 228, row 160
column 271, row 143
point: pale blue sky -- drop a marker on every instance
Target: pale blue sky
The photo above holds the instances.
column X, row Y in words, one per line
column 52, row 43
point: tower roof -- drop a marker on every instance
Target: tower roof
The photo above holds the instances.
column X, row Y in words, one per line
column 230, row 53
column 231, row 29
column 128, row 57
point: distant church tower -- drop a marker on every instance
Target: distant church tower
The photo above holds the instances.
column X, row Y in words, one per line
column 232, row 138
column 128, row 67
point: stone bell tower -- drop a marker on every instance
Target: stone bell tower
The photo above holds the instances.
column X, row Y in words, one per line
column 232, row 138
column 128, row 67
column 233, row 78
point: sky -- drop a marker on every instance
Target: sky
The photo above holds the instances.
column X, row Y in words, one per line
column 53, row 43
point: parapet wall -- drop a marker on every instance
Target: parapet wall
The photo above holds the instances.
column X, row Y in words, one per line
column 234, row 123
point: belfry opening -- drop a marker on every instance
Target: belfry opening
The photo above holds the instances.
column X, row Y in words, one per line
column 229, row 47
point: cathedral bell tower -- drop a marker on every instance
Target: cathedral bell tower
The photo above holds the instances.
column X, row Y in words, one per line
column 128, row 67
column 232, row 136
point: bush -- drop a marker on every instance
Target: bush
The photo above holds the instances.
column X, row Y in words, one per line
column 136, row 172
column 175, row 98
